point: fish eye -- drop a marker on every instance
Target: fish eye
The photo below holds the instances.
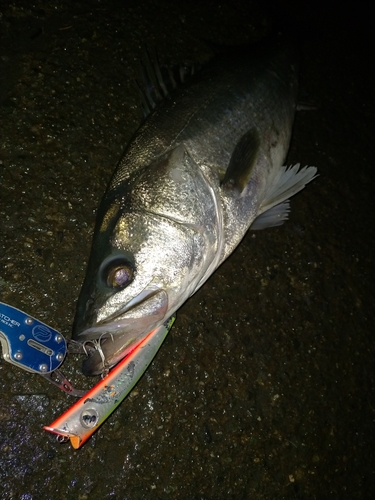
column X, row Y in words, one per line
column 119, row 276
column 116, row 272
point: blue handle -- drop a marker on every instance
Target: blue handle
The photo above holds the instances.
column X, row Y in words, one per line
column 29, row 343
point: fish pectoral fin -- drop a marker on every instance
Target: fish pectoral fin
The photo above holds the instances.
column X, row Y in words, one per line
column 286, row 182
column 242, row 161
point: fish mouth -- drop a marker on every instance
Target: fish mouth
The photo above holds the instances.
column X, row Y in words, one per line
column 114, row 337
column 150, row 304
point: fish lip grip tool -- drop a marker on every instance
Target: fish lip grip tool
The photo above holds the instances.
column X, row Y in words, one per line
column 80, row 421
column 34, row 346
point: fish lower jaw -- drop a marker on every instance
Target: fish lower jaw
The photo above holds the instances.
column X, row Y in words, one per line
column 140, row 314
column 110, row 349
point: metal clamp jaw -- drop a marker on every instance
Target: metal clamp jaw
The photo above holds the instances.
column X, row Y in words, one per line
column 34, row 346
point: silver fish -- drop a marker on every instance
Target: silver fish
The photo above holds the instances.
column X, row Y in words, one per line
column 205, row 166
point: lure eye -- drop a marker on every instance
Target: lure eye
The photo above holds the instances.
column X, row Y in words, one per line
column 120, row 276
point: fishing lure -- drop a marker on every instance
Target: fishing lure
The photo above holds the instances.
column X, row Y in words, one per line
column 86, row 415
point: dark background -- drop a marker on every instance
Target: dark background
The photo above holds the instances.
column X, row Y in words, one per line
column 264, row 388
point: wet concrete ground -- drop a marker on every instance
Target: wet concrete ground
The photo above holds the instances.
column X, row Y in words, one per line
column 264, row 388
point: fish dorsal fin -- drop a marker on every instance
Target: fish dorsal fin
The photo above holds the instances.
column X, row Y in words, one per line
column 242, row 161
column 156, row 82
column 150, row 83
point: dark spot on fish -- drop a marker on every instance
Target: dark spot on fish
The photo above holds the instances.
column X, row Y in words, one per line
column 242, row 162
